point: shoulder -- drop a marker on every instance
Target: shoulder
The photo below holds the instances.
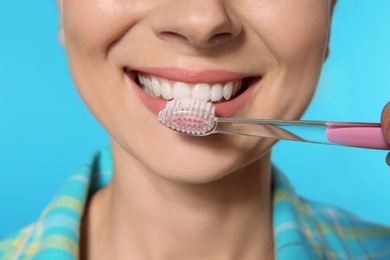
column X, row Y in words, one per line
column 13, row 246
column 56, row 233
column 321, row 231
column 338, row 230
column 33, row 243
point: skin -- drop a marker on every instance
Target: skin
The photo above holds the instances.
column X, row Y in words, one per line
column 385, row 122
column 155, row 207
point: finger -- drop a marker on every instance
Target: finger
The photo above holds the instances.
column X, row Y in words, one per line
column 385, row 122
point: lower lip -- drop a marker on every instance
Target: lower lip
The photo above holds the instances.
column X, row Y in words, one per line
column 224, row 109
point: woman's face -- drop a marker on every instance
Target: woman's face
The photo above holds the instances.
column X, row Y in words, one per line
column 274, row 49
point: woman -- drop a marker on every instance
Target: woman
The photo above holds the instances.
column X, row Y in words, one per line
column 178, row 197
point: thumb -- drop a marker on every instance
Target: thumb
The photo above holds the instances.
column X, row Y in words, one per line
column 385, row 122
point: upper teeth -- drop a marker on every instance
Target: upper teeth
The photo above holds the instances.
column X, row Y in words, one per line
column 159, row 87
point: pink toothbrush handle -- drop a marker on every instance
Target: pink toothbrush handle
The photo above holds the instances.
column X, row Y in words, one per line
column 358, row 136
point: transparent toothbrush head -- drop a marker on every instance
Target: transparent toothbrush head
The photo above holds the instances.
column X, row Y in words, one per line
column 189, row 116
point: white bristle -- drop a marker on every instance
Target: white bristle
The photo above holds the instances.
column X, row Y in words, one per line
column 212, row 110
column 208, row 106
column 189, row 116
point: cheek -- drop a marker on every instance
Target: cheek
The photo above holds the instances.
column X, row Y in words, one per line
column 91, row 29
column 95, row 25
column 296, row 35
column 297, row 31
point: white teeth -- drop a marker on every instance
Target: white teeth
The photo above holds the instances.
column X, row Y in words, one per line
column 228, row 90
column 156, row 87
column 201, row 91
column 216, row 92
column 235, row 88
column 166, row 91
column 142, row 80
column 181, row 90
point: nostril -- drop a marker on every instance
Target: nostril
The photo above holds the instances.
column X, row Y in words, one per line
column 219, row 38
column 214, row 39
column 172, row 36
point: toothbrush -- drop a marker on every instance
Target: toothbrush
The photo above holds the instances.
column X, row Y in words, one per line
column 197, row 118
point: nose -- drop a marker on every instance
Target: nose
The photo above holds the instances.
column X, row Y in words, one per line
column 198, row 23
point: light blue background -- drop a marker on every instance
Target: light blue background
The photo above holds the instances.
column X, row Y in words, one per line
column 46, row 132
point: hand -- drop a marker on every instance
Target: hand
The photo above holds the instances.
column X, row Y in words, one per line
column 386, row 127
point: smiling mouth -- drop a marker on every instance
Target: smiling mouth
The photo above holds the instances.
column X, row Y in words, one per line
column 166, row 89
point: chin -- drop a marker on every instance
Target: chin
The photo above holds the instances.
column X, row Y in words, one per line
column 195, row 172
column 204, row 160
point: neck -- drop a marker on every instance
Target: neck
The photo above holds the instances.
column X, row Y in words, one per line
column 143, row 216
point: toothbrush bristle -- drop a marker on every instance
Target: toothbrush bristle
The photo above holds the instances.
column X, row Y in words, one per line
column 189, row 116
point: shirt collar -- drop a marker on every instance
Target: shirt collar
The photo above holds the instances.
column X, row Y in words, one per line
column 294, row 229
column 57, row 231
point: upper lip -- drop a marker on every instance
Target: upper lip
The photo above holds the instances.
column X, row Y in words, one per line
column 210, row 76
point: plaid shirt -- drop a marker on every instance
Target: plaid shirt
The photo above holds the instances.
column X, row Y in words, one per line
column 302, row 229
